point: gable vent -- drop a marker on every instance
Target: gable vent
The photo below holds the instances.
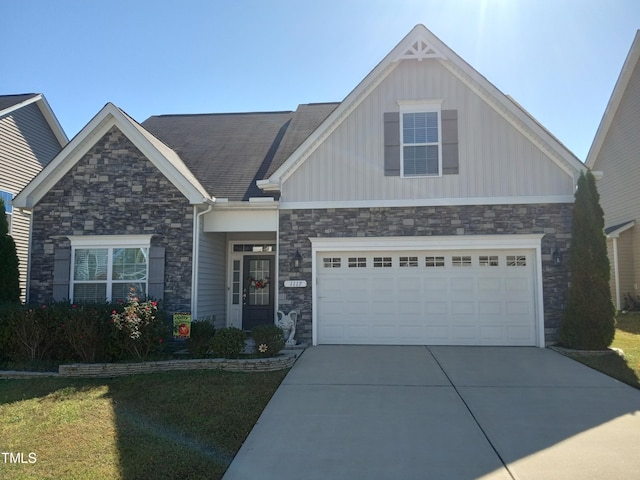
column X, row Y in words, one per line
column 420, row 50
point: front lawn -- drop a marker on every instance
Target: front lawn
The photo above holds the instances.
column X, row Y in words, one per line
column 185, row 425
column 627, row 338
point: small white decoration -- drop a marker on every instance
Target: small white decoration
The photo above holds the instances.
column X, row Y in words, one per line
column 288, row 325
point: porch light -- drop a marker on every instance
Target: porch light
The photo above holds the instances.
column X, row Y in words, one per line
column 297, row 260
column 556, row 256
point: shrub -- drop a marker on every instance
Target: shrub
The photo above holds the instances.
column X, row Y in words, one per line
column 142, row 329
column 227, row 342
column 589, row 321
column 269, row 340
column 201, row 334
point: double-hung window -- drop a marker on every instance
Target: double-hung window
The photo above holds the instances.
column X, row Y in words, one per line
column 420, row 133
column 109, row 268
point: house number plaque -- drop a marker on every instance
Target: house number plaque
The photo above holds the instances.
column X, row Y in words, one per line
column 295, row 283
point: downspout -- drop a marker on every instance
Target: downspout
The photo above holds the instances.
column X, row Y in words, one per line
column 616, row 273
column 196, row 253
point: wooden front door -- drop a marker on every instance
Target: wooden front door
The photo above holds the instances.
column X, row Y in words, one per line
column 257, row 292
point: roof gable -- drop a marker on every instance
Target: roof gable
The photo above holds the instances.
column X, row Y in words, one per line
column 420, row 44
column 10, row 103
column 619, row 90
column 165, row 159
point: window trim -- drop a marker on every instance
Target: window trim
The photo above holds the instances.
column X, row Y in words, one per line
column 422, row 106
column 109, row 242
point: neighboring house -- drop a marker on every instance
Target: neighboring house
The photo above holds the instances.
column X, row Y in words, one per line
column 30, row 136
column 616, row 153
column 425, row 208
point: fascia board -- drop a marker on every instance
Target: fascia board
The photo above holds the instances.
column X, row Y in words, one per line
column 614, row 101
column 53, row 122
column 99, row 125
column 18, row 106
column 350, row 103
column 512, row 112
column 616, row 233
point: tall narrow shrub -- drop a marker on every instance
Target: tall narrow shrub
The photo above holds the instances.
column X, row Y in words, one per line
column 589, row 321
column 9, row 275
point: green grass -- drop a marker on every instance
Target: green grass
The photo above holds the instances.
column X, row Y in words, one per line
column 186, row 425
column 627, row 368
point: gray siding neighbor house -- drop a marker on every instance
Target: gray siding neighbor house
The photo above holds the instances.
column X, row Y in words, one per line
column 30, row 136
column 616, row 153
column 425, row 208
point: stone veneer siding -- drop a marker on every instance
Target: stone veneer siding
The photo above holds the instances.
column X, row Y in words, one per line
column 114, row 190
column 552, row 220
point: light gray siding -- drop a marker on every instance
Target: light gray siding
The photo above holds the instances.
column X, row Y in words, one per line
column 619, row 159
column 495, row 159
column 27, row 144
column 619, row 187
column 211, row 277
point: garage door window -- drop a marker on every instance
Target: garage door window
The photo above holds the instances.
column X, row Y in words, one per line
column 382, row 262
column 408, row 261
column 489, row 261
column 357, row 262
column 461, row 261
column 332, row 262
column 434, row 262
column 516, row 261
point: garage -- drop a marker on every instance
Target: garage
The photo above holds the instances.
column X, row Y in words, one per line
column 444, row 296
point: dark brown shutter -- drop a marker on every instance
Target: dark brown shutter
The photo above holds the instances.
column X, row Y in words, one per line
column 449, row 122
column 156, row 273
column 392, row 144
column 61, row 274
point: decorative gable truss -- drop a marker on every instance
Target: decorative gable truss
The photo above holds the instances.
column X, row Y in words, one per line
column 421, row 44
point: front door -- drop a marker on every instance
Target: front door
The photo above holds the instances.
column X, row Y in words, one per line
column 257, row 292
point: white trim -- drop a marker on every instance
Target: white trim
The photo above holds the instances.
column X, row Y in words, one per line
column 614, row 101
column 198, row 217
column 616, row 271
column 510, row 110
column 47, row 113
column 426, row 106
column 110, row 240
column 428, row 202
column 109, row 243
column 162, row 157
column 435, row 242
column 616, row 233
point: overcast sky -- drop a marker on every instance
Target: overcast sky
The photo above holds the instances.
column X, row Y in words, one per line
column 559, row 59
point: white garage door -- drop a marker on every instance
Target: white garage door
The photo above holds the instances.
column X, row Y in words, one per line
column 460, row 297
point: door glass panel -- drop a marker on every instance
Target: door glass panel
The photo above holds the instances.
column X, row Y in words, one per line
column 259, row 282
column 236, row 283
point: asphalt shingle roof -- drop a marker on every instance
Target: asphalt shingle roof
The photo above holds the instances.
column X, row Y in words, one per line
column 7, row 101
column 228, row 152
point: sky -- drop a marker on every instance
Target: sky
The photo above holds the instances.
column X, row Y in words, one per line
column 559, row 59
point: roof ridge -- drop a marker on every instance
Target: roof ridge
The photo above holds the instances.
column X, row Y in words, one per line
column 216, row 114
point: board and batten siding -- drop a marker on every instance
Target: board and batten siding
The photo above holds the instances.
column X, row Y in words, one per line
column 211, row 277
column 27, row 144
column 495, row 160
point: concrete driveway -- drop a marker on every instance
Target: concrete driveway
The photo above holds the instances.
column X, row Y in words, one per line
column 392, row 412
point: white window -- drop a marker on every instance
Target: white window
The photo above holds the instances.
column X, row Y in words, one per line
column 109, row 268
column 516, row 261
column 461, row 261
column 331, row 262
column 7, row 197
column 488, row 261
column 434, row 261
column 420, row 134
column 357, row 262
column 382, row 262
column 408, row 261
